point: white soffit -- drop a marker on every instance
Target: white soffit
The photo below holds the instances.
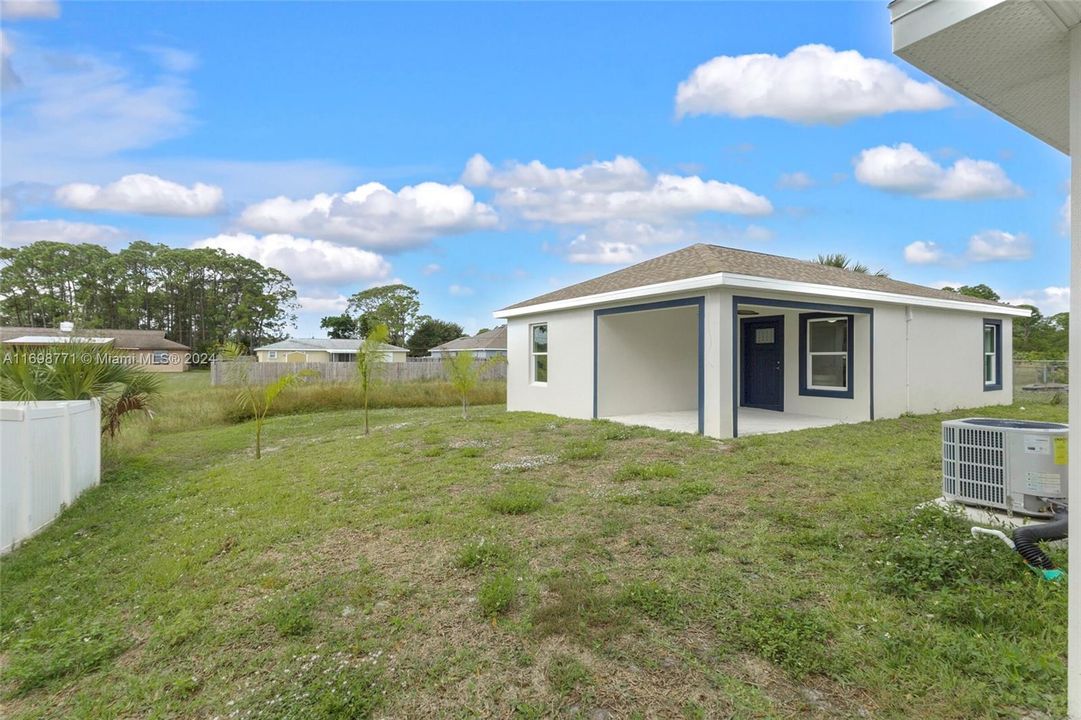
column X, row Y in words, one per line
column 1011, row 56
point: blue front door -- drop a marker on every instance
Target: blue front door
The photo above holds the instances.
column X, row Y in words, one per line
column 763, row 363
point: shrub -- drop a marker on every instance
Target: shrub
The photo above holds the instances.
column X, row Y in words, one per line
column 497, row 594
column 517, row 499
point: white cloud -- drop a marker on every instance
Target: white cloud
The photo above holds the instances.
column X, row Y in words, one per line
column 999, row 245
column 29, row 9
column 172, row 59
column 812, row 84
column 798, row 180
column 8, row 79
column 1050, row 300
column 460, row 290
column 620, row 242
column 79, row 107
column 619, row 189
column 375, row 216
column 304, row 260
column 1064, row 217
column 431, row 268
column 329, row 304
column 905, row 169
column 23, row 232
column 923, row 252
column 145, row 195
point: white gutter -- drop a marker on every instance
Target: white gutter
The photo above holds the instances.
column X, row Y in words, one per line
column 751, row 282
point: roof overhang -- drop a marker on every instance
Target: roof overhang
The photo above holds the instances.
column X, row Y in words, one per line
column 1011, row 56
column 750, row 282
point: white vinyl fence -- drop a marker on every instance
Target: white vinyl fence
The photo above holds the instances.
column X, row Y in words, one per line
column 229, row 372
column 50, row 452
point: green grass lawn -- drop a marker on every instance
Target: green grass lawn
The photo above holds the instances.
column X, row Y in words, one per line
column 520, row 565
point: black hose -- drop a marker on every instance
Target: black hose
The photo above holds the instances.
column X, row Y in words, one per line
column 1025, row 540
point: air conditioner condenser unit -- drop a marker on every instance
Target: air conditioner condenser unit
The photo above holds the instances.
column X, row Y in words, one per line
column 1012, row 465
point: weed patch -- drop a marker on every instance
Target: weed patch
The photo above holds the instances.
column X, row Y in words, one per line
column 497, row 594
column 517, row 499
column 482, row 553
column 651, row 471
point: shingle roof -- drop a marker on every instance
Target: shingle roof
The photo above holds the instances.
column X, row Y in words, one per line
column 492, row 340
column 333, row 344
column 701, row 259
column 122, row 339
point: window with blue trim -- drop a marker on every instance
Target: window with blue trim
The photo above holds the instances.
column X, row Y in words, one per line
column 992, row 354
column 538, row 336
column 826, row 355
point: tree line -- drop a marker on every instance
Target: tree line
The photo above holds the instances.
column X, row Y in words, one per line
column 199, row 297
column 398, row 308
column 1037, row 337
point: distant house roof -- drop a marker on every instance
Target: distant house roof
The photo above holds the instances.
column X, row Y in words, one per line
column 491, row 340
column 349, row 345
column 701, row 259
column 121, row 339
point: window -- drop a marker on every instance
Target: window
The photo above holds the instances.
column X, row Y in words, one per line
column 992, row 354
column 538, row 339
column 160, row 357
column 826, row 355
column 272, row 354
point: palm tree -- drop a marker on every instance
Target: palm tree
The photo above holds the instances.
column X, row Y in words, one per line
column 842, row 261
column 81, row 372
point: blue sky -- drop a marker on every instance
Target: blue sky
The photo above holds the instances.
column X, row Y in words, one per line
column 606, row 133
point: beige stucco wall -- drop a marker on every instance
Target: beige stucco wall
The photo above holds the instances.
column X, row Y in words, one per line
column 926, row 362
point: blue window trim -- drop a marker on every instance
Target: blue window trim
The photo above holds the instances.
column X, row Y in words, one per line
column 997, row 385
column 850, row 385
column 700, row 303
column 738, row 300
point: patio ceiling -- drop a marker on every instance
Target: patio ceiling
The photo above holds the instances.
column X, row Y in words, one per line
column 1011, row 56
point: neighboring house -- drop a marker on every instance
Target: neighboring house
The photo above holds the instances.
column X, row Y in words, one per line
column 483, row 345
column 320, row 350
column 150, row 348
column 729, row 342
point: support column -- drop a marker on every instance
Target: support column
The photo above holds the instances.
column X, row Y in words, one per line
column 1073, row 682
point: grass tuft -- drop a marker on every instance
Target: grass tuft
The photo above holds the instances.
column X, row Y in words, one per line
column 483, row 553
column 652, row 471
column 497, row 594
column 518, row 498
column 583, row 450
column 566, row 674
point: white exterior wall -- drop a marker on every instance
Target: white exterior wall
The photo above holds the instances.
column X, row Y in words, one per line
column 569, row 390
column 929, row 360
column 50, row 452
column 929, row 363
column 655, row 352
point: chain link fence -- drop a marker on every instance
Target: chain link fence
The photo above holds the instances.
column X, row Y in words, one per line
column 1041, row 374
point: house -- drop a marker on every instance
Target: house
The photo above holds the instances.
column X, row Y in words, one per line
column 729, row 342
column 149, row 348
column 483, row 345
column 317, row 350
column 1022, row 61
